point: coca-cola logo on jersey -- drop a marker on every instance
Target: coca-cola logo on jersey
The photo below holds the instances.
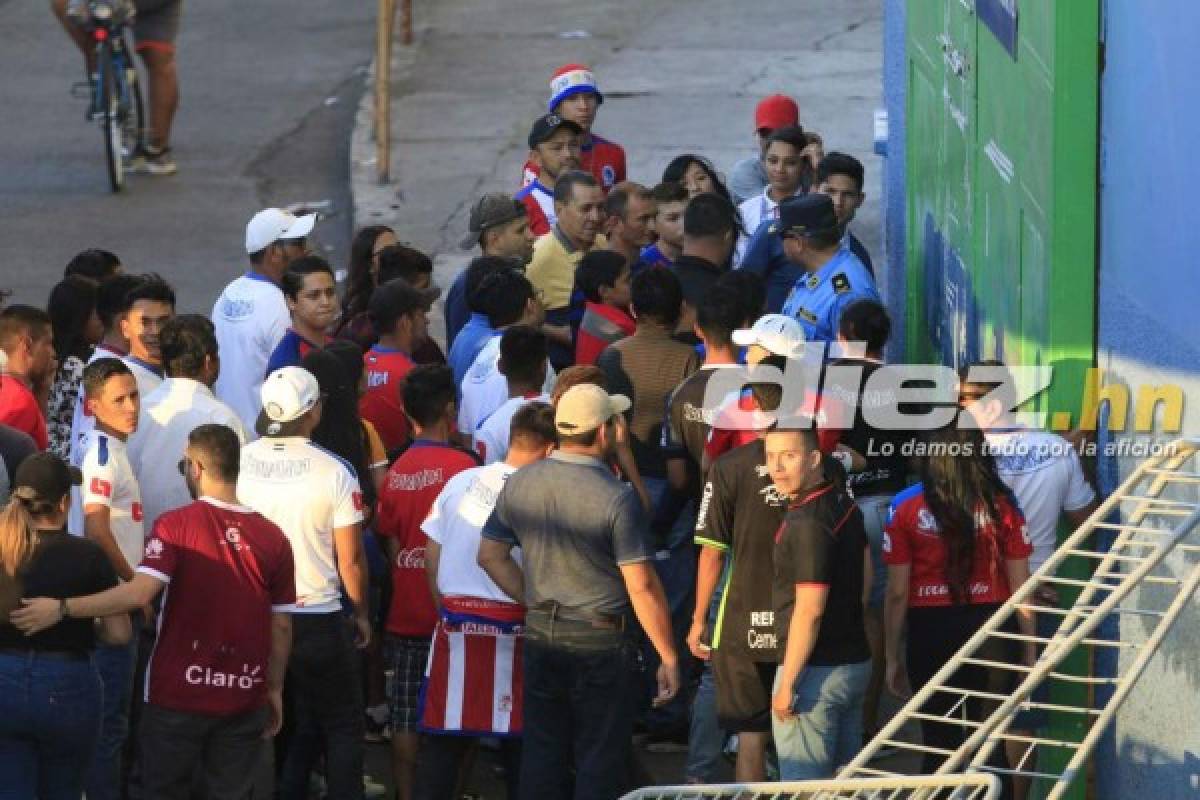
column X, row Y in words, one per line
column 411, row 558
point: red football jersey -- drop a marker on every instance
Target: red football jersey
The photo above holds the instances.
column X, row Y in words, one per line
column 411, row 486
column 381, row 404
column 539, row 206
column 605, row 161
column 227, row 568
column 912, row 537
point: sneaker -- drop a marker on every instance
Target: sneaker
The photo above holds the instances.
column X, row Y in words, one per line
column 153, row 163
column 373, row 788
column 376, row 723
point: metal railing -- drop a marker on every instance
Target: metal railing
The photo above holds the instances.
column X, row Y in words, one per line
column 1155, row 526
column 385, row 31
column 976, row 786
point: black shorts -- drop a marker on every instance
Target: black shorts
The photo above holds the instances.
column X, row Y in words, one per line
column 743, row 691
column 157, row 23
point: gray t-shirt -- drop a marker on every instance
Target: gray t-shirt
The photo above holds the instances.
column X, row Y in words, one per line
column 747, row 179
column 576, row 524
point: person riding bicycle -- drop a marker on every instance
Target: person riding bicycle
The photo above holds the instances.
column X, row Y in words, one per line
column 155, row 26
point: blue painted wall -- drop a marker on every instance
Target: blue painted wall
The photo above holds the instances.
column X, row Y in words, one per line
column 1148, row 334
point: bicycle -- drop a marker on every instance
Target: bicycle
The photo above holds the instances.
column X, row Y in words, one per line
column 116, row 92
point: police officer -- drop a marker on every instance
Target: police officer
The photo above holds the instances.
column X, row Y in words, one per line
column 833, row 276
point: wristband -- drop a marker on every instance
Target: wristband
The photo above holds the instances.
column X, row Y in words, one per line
column 63, row 611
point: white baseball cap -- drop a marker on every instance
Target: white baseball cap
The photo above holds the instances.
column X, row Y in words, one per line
column 775, row 333
column 586, row 407
column 272, row 224
column 288, row 393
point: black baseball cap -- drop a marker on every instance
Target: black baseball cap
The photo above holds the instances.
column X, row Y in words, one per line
column 44, row 478
column 545, row 126
column 489, row 211
column 806, row 215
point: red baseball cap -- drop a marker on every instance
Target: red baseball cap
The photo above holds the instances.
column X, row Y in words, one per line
column 776, row 111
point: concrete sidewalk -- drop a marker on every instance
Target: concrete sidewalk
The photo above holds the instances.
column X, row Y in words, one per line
column 679, row 76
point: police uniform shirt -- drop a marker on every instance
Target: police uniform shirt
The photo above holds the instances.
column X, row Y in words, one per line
column 818, row 298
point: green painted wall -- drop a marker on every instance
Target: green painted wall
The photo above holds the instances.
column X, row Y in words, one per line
column 1002, row 187
column 1001, row 199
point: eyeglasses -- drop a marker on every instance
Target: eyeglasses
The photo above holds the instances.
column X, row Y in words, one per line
column 301, row 243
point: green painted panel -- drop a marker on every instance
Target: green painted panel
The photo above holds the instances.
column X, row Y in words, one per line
column 1002, row 192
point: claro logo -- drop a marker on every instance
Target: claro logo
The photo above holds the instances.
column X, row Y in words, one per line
column 249, row 677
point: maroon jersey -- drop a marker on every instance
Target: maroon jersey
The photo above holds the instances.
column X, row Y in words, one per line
column 226, row 569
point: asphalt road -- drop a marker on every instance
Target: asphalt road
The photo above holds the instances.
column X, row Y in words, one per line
column 269, row 89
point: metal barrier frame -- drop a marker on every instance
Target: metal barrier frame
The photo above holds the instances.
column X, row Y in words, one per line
column 974, row 786
column 1079, row 621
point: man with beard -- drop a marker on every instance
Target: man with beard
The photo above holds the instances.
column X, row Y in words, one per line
column 231, row 576
column 554, row 149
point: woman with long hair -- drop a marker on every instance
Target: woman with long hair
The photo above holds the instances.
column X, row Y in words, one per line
column 77, row 329
column 363, row 272
column 341, row 430
column 696, row 174
column 956, row 547
column 339, row 372
column 50, row 691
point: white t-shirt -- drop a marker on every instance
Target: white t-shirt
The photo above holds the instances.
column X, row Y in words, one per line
column 109, row 480
column 148, row 377
column 491, row 437
column 168, row 415
column 454, row 522
column 250, row 317
column 83, row 423
column 754, row 211
column 485, row 389
column 1044, row 473
column 308, row 492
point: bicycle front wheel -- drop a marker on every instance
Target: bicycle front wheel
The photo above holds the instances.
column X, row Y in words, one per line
column 108, row 95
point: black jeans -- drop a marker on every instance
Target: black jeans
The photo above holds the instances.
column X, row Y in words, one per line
column 440, row 762
column 327, row 701
column 934, row 636
column 581, row 692
column 226, row 751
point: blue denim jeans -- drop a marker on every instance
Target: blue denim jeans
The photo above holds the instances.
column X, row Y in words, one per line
column 874, row 509
column 705, row 737
column 826, row 732
column 116, row 664
column 676, row 568
column 49, row 723
column 580, row 698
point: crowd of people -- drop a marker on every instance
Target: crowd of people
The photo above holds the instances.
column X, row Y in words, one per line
column 303, row 523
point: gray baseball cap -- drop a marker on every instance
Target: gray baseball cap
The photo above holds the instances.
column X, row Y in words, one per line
column 489, row 211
